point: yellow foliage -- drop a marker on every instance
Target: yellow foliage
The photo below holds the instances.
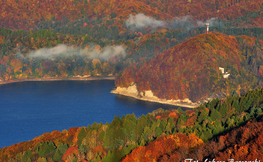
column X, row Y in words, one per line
column 95, row 61
column 1, row 40
column 17, row 65
column 97, row 48
column 195, row 141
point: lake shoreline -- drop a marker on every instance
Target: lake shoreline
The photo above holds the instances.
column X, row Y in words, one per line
column 134, row 94
column 115, row 91
column 77, row 78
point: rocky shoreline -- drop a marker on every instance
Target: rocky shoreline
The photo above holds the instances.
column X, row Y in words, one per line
column 59, row 79
column 131, row 91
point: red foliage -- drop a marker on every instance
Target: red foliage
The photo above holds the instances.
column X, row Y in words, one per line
column 244, row 143
column 70, row 151
column 191, row 121
column 2, row 61
column 259, row 72
column 182, row 71
column 155, row 150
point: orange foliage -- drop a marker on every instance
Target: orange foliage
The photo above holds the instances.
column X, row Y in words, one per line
column 99, row 149
column 190, row 112
column 26, row 14
column 95, row 62
column 75, row 138
column 241, row 9
column 1, row 40
column 155, row 150
column 72, row 131
column 173, row 115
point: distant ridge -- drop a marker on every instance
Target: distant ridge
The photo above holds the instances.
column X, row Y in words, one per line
column 27, row 15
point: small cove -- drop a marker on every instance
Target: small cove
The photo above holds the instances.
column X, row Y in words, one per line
column 29, row 109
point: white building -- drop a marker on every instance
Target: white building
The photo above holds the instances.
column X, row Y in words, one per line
column 225, row 74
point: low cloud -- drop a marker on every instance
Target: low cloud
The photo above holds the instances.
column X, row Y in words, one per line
column 57, row 51
column 92, row 52
column 107, row 52
column 141, row 21
column 214, row 21
column 181, row 22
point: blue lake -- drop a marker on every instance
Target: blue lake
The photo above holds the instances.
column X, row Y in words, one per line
column 29, row 109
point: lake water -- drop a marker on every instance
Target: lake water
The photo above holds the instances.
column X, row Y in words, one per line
column 29, row 109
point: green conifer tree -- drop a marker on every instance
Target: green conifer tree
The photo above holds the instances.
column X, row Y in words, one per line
column 215, row 115
column 57, row 156
column 26, row 156
column 158, row 132
column 81, row 135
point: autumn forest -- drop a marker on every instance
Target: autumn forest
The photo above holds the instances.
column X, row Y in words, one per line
column 160, row 46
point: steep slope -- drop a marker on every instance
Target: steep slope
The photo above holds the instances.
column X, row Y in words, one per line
column 244, row 143
column 191, row 69
column 173, row 143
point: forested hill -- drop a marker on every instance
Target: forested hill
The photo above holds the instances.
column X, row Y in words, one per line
column 220, row 129
column 105, row 37
column 191, row 69
column 23, row 14
column 157, row 45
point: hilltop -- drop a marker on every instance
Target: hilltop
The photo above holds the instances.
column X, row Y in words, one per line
column 190, row 70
